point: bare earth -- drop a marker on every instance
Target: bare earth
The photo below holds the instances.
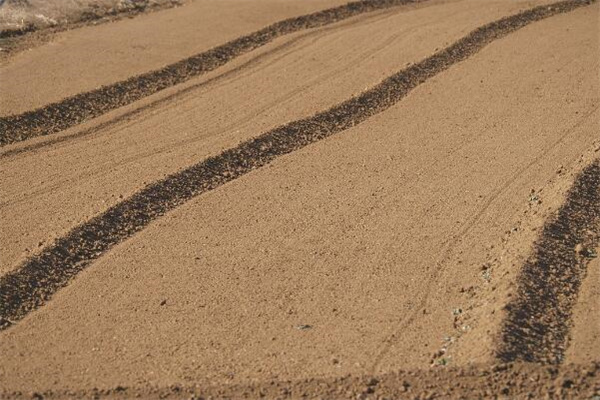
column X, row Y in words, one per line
column 83, row 59
column 375, row 262
column 585, row 336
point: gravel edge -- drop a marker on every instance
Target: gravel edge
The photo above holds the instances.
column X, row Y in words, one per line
column 82, row 107
column 537, row 322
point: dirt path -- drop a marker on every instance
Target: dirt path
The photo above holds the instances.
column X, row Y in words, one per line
column 361, row 253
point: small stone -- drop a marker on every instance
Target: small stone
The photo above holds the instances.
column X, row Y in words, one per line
column 567, row 384
column 590, row 253
column 303, row 327
column 372, row 382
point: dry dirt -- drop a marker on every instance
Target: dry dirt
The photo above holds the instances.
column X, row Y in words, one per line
column 585, row 334
column 84, row 59
column 391, row 203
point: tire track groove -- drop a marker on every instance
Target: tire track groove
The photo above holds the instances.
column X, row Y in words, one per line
column 38, row 278
column 77, row 109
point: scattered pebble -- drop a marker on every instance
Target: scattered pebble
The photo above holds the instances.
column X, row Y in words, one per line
column 304, row 327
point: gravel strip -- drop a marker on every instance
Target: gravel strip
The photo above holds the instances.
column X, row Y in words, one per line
column 77, row 109
column 537, row 324
column 37, row 279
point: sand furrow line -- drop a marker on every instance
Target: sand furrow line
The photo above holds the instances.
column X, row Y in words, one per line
column 287, row 48
column 74, row 110
column 28, row 287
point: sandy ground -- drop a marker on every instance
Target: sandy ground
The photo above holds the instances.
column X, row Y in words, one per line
column 521, row 381
column 585, row 334
column 83, row 59
column 369, row 252
column 252, row 95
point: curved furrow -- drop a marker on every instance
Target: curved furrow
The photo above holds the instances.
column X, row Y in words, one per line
column 354, row 60
column 28, row 287
column 77, row 109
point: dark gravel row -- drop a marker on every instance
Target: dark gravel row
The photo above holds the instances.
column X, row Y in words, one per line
column 74, row 110
column 537, row 324
column 38, row 278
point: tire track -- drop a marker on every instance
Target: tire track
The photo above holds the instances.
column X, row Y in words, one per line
column 77, row 109
column 30, row 286
column 536, row 327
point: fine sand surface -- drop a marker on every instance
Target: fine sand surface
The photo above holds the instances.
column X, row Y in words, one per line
column 585, row 334
column 83, row 59
column 389, row 246
column 289, row 79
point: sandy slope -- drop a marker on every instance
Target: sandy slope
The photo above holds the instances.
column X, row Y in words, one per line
column 368, row 240
column 83, row 59
column 294, row 77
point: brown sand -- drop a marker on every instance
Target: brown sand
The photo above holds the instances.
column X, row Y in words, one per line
column 585, row 334
column 77, row 109
column 83, row 59
column 521, row 381
column 359, row 254
column 19, row 18
column 119, row 159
